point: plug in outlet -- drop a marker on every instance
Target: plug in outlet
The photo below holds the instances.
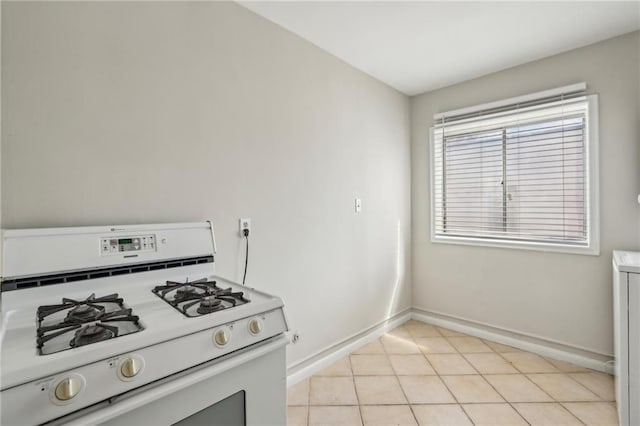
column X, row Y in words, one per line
column 245, row 223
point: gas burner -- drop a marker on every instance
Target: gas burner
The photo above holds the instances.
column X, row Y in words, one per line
column 93, row 320
column 185, row 293
column 199, row 297
column 93, row 334
column 209, row 305
column 84, row 313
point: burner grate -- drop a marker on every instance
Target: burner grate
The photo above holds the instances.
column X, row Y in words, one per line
column 200, row 297
column 94, row 319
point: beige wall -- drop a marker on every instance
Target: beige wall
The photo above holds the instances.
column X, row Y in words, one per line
column 559, row 297
column 153, row 112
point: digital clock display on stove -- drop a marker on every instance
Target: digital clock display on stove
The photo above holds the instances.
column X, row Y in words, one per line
column 137, row 243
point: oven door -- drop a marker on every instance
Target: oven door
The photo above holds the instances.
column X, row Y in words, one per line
column 246, row 388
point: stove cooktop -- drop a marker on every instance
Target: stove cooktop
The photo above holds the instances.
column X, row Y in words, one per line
column 161, row 322
column 75, row 323
column 200, row 297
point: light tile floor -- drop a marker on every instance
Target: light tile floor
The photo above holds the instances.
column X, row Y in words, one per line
column 419, row 374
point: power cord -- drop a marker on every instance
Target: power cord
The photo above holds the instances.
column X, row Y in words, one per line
column 246, row 256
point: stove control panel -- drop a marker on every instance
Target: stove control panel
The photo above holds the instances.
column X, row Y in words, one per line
column 137, row 243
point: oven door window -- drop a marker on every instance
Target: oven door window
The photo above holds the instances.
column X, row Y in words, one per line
column 228, row 412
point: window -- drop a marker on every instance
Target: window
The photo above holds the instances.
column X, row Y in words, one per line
column 520, row 174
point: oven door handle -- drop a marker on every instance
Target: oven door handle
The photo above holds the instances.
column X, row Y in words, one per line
column 125, row 405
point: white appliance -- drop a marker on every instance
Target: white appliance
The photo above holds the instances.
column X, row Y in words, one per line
column 626, row 299
column 128, row 325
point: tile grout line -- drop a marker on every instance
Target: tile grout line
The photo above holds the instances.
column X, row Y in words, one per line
column 442, row 381
column 584, row 387
column 564, row 405
column 396, row 375
column 496, row 390
column 561, row 402
column 457, row 352
column 486, row 381
column 523, row 374
column 420, row 352
column 558, row 372
column 474, row 368
column 355, row 389
column 400, row 384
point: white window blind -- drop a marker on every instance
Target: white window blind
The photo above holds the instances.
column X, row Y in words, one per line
column 517, row 173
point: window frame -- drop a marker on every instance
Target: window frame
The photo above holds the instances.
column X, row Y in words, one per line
column 592, row 199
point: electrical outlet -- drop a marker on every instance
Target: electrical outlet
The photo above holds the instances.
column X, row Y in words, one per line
column 245, row 223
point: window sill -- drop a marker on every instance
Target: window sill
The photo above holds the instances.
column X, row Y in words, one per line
column 592, row 250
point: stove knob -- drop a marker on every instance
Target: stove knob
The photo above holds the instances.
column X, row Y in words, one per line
column 255, row 326
column 68, row 388
column 221, row 336
column 130, row 367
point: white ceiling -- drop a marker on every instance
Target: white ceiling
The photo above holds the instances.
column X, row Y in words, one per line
column 421, row 46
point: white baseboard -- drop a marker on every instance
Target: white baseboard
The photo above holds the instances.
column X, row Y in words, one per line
column 548, row 349
column 324, row 358
column 555, row 350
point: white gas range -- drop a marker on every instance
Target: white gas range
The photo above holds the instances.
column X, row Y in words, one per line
column 128, row 325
